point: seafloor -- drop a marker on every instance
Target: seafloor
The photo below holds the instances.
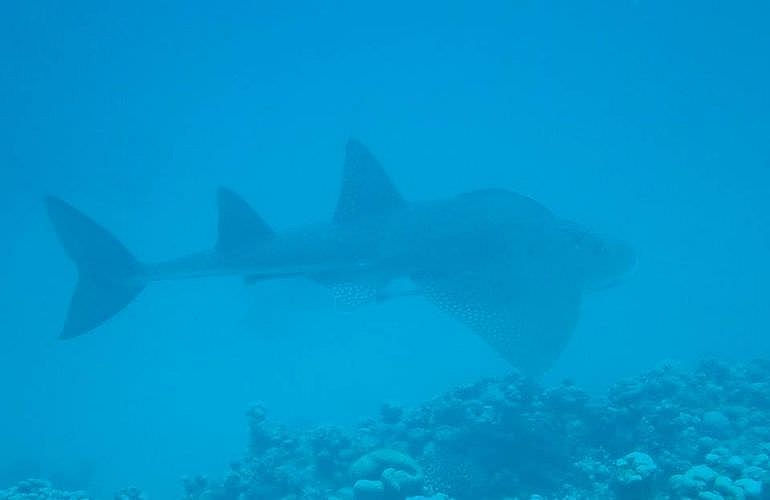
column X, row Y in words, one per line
column 668, row 434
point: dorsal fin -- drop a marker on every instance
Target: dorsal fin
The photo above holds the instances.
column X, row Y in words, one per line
column 366, row 188
column 239, row 224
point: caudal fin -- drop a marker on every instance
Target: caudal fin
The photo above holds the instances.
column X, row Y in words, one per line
column 108, row 274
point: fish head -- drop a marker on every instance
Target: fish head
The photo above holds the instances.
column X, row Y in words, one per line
column 603, row 261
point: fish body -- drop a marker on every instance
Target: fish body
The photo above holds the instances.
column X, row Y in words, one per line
column 500, row 262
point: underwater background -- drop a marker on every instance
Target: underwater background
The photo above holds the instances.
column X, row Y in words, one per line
column 644, row 120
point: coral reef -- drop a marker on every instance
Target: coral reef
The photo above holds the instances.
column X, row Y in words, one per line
column 669, row 434
column 37, row 489
column 389, row 473
column 130, row 494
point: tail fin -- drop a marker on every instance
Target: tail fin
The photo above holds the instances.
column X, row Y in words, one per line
column 108, row 273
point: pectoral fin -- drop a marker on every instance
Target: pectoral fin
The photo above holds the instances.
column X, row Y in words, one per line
column 522, row 318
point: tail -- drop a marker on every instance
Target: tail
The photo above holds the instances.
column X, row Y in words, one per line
column 108, row 274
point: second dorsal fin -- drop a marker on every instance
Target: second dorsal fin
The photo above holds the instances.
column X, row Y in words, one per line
column 239, row 225
column 366, row 188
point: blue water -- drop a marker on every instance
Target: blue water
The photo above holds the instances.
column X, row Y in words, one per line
column 644, row 120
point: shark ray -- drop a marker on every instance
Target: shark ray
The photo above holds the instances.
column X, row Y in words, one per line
column 501, row 263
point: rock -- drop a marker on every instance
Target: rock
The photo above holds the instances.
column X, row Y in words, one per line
column 634, row 475
column 685, row 485
column 130, row 494
column 401, row 483
column 397, row 472
column 635, row 466
column 345, row 493
column 390, row 413
column 365, row 489
column 372, row 465
column 702, row 473
column 38, row 489
column 713, row 458
column 725, row 486
column 696, row 480
column 753, row 472
column 735, row 463
column 716, row 423
column 751, row 488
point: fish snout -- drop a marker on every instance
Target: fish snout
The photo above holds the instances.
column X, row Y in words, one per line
column 616, row 260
